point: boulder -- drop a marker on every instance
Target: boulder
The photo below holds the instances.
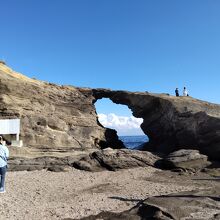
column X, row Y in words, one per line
column 186, row 159
column 113, row 160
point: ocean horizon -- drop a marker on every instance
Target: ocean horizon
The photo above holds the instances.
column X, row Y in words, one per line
column 133, row 141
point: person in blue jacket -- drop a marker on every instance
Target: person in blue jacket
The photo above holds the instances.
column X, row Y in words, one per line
column 4, row 154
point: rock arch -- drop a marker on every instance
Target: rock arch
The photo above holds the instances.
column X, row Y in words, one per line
column 170, row 122
column 129, row 125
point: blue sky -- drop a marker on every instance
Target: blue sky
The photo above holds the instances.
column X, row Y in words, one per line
column 136, row 45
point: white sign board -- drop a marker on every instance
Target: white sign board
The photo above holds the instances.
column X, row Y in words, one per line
column 9, row 126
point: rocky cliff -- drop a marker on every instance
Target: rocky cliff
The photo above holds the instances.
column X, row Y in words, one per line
column 54, row 119
column 62, row 119
column 172, row 123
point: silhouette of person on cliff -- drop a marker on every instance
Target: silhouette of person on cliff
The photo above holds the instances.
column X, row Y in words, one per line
column 177, row 92
column 185, row 92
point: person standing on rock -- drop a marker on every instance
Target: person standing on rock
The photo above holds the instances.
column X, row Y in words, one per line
column 4, row 154
column 185, row 92
column 177, row 92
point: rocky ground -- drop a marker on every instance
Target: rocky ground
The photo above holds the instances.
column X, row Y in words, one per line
column 76, row 194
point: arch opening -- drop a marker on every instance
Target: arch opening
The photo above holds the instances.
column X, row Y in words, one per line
column 119, row 117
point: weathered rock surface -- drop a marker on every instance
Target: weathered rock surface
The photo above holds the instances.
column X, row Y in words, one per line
column 186, row 159
column 172, row 122
column 47, row 162
column 62, row 120
column 54, row 119
column 107, row 159
column 171, row 207
column 116, row 159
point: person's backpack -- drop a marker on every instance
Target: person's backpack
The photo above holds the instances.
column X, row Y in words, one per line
column 3, row 158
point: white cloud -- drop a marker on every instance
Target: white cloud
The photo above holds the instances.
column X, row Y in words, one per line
column 124, row 125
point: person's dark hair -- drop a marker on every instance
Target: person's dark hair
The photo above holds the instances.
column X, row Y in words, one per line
column 2, row 138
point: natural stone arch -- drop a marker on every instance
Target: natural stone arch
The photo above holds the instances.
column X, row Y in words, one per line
column 124, row 131
column 172, row 123
column 134, row 101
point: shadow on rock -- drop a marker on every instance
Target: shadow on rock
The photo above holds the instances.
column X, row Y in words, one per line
column 185, row 205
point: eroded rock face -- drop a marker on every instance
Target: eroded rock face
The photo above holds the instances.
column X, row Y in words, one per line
column 172, row 123
column 54, row 119
column 62, row 119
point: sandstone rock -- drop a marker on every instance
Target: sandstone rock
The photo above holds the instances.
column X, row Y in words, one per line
column 52, row 117
column 186, row 159
column 30, row 164
column 88, row 163
column 58, row 169
column 107, row 159
column 172, row 122
column 185, row 205
column 215, row 172
column 55, row 117
column 116, row 159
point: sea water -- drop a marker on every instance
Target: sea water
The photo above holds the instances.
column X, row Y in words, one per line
column 133, row 142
